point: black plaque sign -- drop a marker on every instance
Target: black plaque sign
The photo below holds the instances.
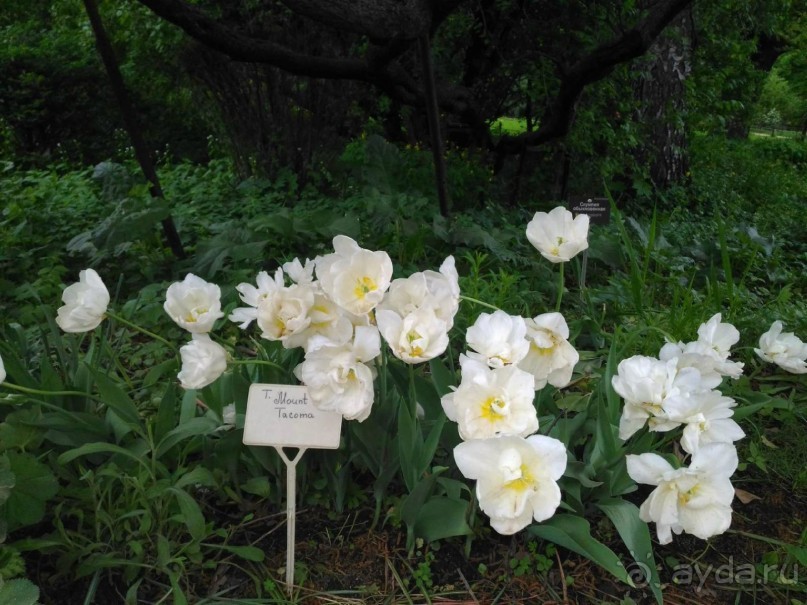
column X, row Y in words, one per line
column 597, row 208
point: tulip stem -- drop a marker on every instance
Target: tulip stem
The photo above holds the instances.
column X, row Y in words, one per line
column 413, row 405
column 479, row 302
column 134, row 326
column 560, row 287
column 30, row 391
column 243, row 362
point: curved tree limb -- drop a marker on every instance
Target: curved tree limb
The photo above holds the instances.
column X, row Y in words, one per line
column 600, row 62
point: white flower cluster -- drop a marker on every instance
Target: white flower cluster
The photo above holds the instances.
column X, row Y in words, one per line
column 679, row 389
column 511, row 358
column 195, row 305
column 339, row 317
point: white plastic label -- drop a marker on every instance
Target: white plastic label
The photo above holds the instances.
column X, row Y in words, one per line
column 283, row 415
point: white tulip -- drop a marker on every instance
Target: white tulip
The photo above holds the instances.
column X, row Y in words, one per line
column 416, row 337
column 328, row 324
column 647, row 385
column 286, row 312
column 300, row 273
column 785, row 350
column 440, row 291
column 719, row 336
column 550, row 357
column 253, row 296
column 516, row 478
column 492, row 403
column 707, row 419
column 194, row 304
column 695, row 500
column 703, row 358
column 557, row 235
column 85, row 303
column 340, row 378
column 499, row 339
column 354, row 278
column 2, row 371
column 203, row 361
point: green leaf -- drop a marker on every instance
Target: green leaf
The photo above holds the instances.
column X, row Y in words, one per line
column 117, row 400
column 249, row 553
column 191, row 513
column 636, row 536
column 100, row 448
column 442, row 517
column 574, row 533
column 19, row 592
column 198, row 476
column 443, row 377
column 7, row 478
column 191, row 428
column 34, row 486
column 408, row 443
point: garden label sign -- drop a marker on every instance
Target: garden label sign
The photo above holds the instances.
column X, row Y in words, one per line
column 280, row 415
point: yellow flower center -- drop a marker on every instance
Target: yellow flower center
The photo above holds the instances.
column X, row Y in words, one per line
column 193, row 316
column 685, row 497
column 363, row 286
column 525, row 482
column 411, row 337
column 494, row 409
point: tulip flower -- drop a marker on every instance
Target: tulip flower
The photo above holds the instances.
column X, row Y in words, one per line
column 648, row 385
column 499, row 339
column 340, row 378
column 550, row 357
column 193, row 304
column 203, row 361
column 785, row 350
column 439, row 291
column 252, row 295
column 558, row 235
column 2, row 371
column 416, row 337
column 354, row 278
column 695, row 500
column 516, row 478
column 85, row 303
column 492, row 403
column 286, row 312
column 706, row 417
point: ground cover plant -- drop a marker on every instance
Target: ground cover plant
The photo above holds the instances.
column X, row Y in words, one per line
column 122, row 453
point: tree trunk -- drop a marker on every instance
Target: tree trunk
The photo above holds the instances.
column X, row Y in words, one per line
column 661, row 92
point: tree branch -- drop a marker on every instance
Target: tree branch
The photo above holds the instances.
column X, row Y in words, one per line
column 559, row 115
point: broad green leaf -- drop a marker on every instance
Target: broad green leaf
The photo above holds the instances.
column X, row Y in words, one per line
column 191, row 428
column 408, row 446
column 117, row 400
column 426, row 453
column 574, row 533
column 198, row 476
column 442, row 517
column 7, row 478
column 34, row 486
column 100, row 448
column 443, row 377
column 191, row 513
column 249, row 553
column 19, row 592
column 636, row 536
column 166, row 413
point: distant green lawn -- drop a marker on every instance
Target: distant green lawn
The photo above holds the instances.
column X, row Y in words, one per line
column 505, row 125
